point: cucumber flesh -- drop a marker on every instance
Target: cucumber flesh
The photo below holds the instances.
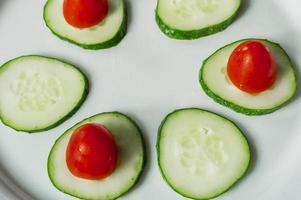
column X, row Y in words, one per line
column 216, row 84
column 104, row 35
column 201, row 154
column 39, row 93
column 191, row 19
column 131, row 160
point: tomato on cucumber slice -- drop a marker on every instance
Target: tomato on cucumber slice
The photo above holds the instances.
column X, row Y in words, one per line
column 85, row 13
column 251, row 67
column 91, row 152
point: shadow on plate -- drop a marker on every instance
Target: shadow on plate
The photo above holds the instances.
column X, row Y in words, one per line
column 11, row 189
column 2, row 3
column 129, row 11
column 244, row 8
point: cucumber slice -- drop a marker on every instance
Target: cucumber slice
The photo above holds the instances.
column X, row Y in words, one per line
column 104, row 35
column 39, row 93
column 130, row 164
column 191, row 19
column 201, row 154
column 214, row 80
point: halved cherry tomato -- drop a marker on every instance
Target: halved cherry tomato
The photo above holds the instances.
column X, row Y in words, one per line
column 91, row 152
column 251, row 67
column 85, row 13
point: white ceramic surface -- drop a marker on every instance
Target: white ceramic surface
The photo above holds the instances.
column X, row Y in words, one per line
column 147, row 76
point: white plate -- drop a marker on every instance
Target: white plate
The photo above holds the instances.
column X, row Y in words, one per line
column 147, row 76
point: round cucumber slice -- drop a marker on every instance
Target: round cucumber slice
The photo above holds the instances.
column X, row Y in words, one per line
column 216, row 84
column 191, row 19
column 131, row 161
column 201, row 154
column 39, row 93
column 104, row 35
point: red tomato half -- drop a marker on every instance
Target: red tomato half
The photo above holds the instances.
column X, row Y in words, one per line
column 251, row 67
column 91, row 152
column 85, row 13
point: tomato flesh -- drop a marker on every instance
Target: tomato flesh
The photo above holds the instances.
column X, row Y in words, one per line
column 85, row 13
column 91, row 152
column 251, row 67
